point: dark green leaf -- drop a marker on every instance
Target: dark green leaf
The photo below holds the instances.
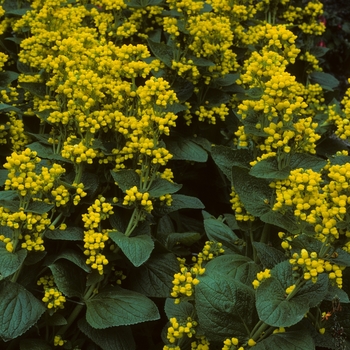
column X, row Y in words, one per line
column 162, row 51
column 272, row 304
column 69, row 278
column 290, row 340
column 252, row 191
column 119, row 307
column 7, row 108
column 327, row 81
column 180, row 311
column 226, row 80
column 71, row 233
column 7, row 77
column 217, row 231
column 113, row 338
column 19, row 12
column 10, row 262
column 8, row 195
column 176, row 108
column 161, row 187
column 137, row 249
column 76, row 257
column 216, row 97
column 126, row 179
column 224, row 305
column 307, row 161
column 19, row 310
column 39, row 207
column 185, row 149
column 268, row 169
column 225, row 157
column 183, row 88
column 200, row 61
column 43, row 138
column 12, row 205
column 185, row 238
column 319, row 51
column 46, row 152
column 154, row 278
column 180, row 201
column 254, row 93
column 36, row 89
column 269, row 256
column 3, row 176
column 286, row 220
column 56, row 319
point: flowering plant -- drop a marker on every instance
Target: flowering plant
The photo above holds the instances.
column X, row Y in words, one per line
column 175, row 165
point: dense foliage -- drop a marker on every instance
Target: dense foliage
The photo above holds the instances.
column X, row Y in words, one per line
column 174, row 175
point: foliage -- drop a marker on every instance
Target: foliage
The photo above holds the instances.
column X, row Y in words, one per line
column 175, row 165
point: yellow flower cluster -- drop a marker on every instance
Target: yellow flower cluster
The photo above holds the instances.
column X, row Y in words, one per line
column 261, row 276
column 179, row 328
column 210, row 251
column 53, row 298
column 133, row 196
column 58, row 341
column 95, row 237
column 241, row 213
column 233, row 344
column 312, row 266
column 201, row 343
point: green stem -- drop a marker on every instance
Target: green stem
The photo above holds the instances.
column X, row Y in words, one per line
column 16, row 274
column 259, row 328
column 72, row 317
column 265, row 233
column 255, row 256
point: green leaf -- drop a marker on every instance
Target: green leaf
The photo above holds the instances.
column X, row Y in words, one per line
column 227, row 80
column 269, row 256
column 69, row 278
column 225, row 157
column 36, row 89
column 217, row 231
column 10, row 262
column 76, row 257
column 180, row 311
column 200, row 61
column 224, row 305
column 180, row 201
column 38, row 207
column 252, row 191
column 327, row 81
column 185, row 149
column 290, row 340
column 307, row 161
column 3, row 176
column 71, row 233
column 216, row 97
column 161, row 186
column 137, row 249
column 34, row 344
column 268, row 169
column 7, row 108
column 119, row 307
column 319, row 51
column 254, row 93
column 12, row 205
column 183, row 88
column 8, row 195
column 272, row 304
column 154, row 278
column 162, row 51
column 286, row 220
column 126, row 179
column 185, row 238
column 113, row 338
column 233, row 266
column 19, row 12
column 46, row 152
column 19, row 310
column 7, row 77
column 142, row 3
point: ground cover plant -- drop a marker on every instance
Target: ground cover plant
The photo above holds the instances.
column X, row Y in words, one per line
column 174, row 175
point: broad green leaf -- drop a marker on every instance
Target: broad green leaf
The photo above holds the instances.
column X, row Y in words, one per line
column 319, row 51
column 200, row 61
column 76, row 257
column 216, row 98
column 7, row 108
column 217, row 231
column 10, row 262
column 252, row 191
column 8, row 195
column 180, row 311
column 137, row 249
column 185, row 238
column 142, row 3
column 275, row 309
column 36, row 89
column 226, row 80
column 268, row 169
column 113, row 338
column 119, row 307
column 7, row 77
column 19, row 310
column 38, row 207
column 176, row 108
column 161, row 187
column 269, row 256
column 126, row 179
column 56, row 319
column 69, row 278
column 71, row 233
column 162, row 51
column 224, row 305
column 91, row 183
column 46, row 152
column 225, row 157
column 12, row 205
column 3, row 177
column 326, row 80
column 286, row 220
column 307, row 242
column 19, row 12
column 233, row 266
column 183, row 88
column 290, row 340
column 185, row 149
column 254, row 93
column 154, row 278
column 334, row 291
column 307, row 161
column 43, row 138
column 180, row 201
column 34, row 344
